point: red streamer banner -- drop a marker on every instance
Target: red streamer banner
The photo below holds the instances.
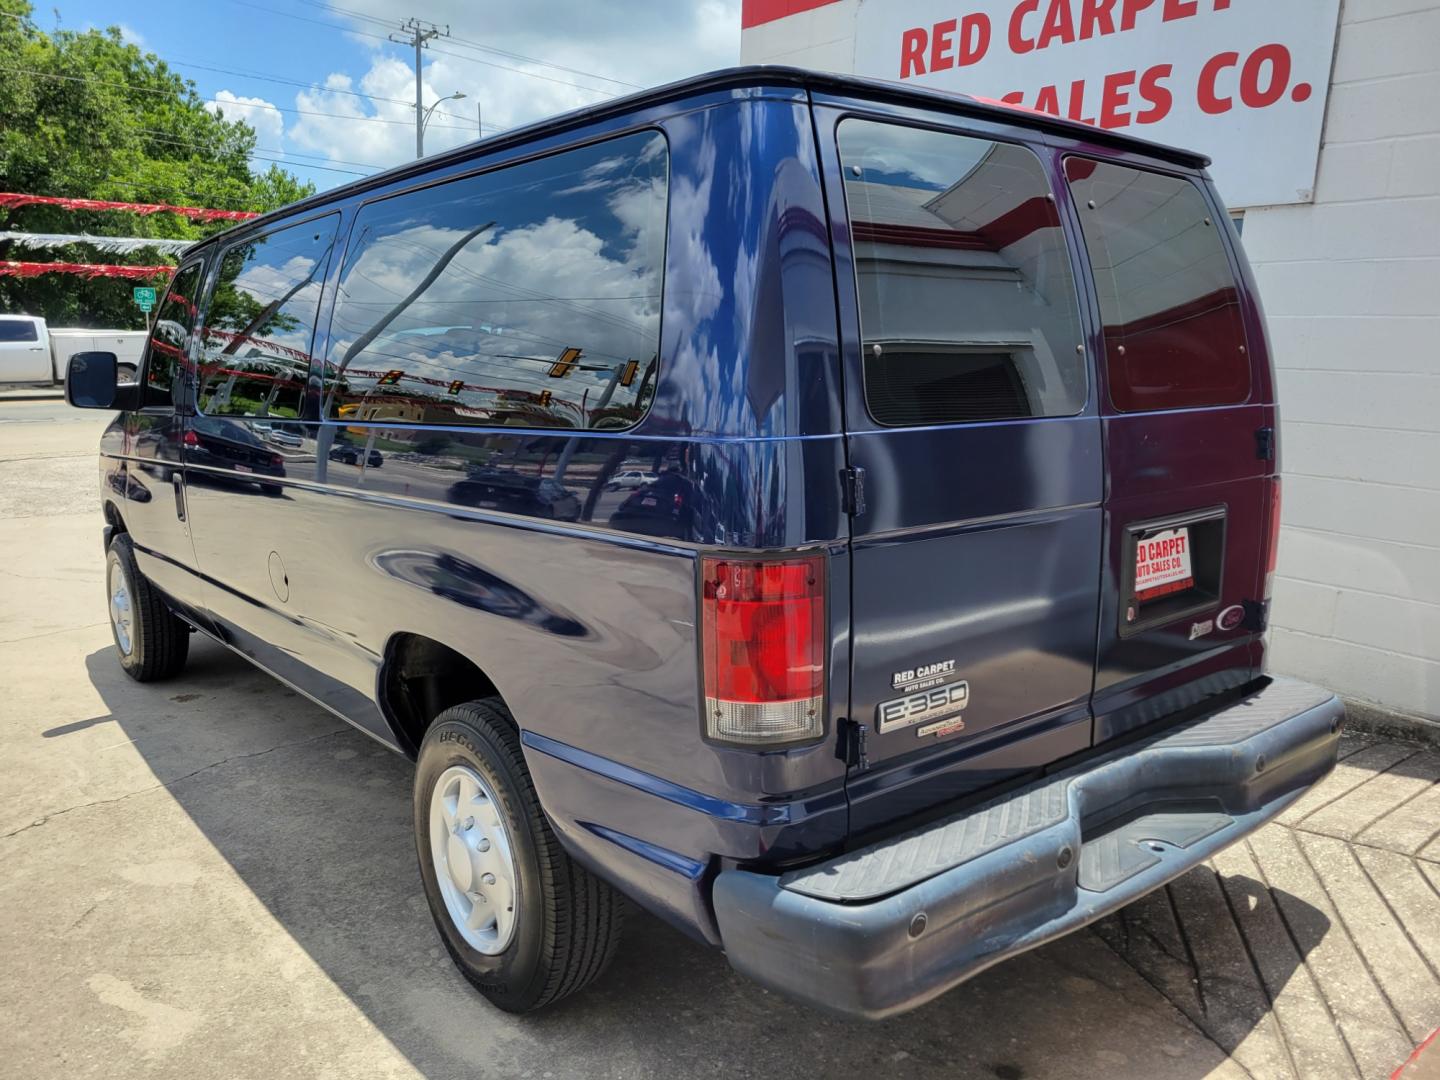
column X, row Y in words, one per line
column 13, row 199
column 9, row 268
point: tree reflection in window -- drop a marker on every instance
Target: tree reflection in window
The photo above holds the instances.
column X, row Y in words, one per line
column 261, row 320
column 169, row 346
column 528, row 296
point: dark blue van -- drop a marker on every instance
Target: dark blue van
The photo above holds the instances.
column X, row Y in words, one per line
column 837, row 517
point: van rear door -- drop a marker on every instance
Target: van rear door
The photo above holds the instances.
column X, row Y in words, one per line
column 1189, row 425
column 973, row 435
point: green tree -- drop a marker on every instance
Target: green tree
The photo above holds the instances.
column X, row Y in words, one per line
column 85, row 115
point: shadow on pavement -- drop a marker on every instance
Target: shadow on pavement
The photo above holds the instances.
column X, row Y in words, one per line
column 316, row 823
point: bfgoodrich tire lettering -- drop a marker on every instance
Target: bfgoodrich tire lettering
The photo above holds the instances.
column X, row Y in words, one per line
column 152, row 642
column 568, row 921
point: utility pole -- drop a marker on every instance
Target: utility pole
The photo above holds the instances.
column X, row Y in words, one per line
column 419, row 33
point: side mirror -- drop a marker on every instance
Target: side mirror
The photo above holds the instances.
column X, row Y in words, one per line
column 90, row 380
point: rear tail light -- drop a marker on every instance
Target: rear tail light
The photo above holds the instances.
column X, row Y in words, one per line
column 764, row 646
column 1272, row 539
column 191, row 439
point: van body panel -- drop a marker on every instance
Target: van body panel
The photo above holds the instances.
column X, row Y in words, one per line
column 154, row 443
column 1164, row 464
column 1169, row 463
column 985, row 551
column 508, row 548
column 992, row 568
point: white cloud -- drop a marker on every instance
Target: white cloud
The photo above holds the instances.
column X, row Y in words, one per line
column 526, row 289
column 645, row 42
column 262, row 115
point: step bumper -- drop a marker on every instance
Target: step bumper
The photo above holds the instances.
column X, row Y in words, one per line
column 888, row 927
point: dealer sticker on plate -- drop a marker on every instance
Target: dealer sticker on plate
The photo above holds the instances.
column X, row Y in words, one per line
column 1162, row 564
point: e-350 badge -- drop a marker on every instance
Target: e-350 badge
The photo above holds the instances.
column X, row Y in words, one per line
column 925, row 707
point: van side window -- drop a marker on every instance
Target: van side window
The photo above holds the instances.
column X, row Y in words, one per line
column 169, row 348
column 968, row 307
column 1174, row 338
column 528, row 296
column 260, row 321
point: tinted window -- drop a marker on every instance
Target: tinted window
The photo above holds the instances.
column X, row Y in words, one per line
column 1173, row 335
column 170, row 339
column 18, row 330
column 967, row 304
column 260, row 322
column 526, row 297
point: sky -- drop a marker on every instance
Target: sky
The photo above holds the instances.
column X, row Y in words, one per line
column 331, row 99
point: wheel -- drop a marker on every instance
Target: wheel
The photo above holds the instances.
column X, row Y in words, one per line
column 524, row 923
column 151, row 640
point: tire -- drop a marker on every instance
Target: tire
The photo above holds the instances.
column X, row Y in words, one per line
column 566, row 922
column 154, row 643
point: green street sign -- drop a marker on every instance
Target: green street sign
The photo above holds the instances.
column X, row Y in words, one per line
column 144, row 297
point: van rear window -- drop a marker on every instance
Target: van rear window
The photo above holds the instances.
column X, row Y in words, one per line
column 1168, row 298
column 527, row 296
column 968, row 308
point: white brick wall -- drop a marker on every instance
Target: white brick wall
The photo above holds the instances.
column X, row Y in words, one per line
column 1351, row 285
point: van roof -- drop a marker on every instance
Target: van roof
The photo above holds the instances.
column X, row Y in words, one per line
column 750, row 76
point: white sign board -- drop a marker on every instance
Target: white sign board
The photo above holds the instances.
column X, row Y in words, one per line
column 1242, row 81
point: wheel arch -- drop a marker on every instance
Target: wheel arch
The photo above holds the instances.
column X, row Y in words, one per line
column 420, row 677
column 114, row 523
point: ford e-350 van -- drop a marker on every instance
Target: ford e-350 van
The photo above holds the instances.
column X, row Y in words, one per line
column 837, row 517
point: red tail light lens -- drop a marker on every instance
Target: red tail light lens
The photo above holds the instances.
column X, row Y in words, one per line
column 764, row 646
column 1272, row 540
column 191, row 439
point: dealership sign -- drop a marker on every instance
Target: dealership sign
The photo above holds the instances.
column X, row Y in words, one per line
column 1243, row 81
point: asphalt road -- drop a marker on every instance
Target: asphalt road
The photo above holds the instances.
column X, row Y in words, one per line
column 214, row 877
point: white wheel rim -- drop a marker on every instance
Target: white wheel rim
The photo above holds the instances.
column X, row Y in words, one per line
column 122, row 612
column 473, row 861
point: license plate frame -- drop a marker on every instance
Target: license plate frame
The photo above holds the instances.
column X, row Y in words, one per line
column 1171, row 597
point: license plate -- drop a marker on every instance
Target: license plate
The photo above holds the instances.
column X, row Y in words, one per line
column 243, row 468
column 1162, row 564
column 647, row 501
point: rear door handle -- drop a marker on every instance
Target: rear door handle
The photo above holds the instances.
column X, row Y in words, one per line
column 179, row 482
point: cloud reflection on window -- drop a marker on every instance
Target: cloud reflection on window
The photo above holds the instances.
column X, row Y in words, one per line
column 530, row 263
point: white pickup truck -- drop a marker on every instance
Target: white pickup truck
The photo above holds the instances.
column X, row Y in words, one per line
column 31, row 352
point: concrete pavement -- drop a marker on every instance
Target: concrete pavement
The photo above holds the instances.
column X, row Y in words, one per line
column 214, row 877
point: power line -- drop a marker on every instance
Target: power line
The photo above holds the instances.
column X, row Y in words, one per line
column 257, row 153
column 151, row 186
column 218, row 101
column 171, row 136
column 546, row 63
column 522, row 71
column 327, row 90
column 352, row 13
column 383, row 37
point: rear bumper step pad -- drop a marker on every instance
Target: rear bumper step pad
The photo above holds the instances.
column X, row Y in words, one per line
column 888, row 927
